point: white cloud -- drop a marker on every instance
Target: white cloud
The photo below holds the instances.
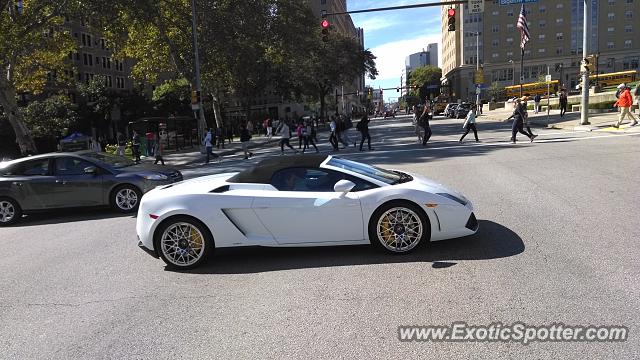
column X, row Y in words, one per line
column 372, row 24
column 391, row 56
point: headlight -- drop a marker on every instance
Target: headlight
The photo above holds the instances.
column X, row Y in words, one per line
column 454, row 198
column 155, row 177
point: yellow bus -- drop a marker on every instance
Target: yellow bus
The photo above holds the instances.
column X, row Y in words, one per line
column 612, row 79
column 531, row 89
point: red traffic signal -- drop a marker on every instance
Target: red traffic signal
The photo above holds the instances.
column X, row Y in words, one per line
column 452, row 19
column 452, row 12
column 325, row 24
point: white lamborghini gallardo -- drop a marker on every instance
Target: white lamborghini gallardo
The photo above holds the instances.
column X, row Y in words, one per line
column 302, row 200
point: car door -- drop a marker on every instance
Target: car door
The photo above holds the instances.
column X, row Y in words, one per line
column 31, row 183
column 306, row 209
column 73, row 186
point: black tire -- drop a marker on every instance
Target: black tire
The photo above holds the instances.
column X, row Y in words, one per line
column 9, row 210
column 376, row 217
column 208, row 243
column 127, row 206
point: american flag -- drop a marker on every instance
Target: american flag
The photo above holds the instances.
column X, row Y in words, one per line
column 524, row 28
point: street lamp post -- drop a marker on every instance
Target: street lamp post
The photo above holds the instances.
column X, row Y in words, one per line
column 584, row 104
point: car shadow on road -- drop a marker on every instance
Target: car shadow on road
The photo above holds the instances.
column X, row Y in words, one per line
column 493, row 241
column 60, row 216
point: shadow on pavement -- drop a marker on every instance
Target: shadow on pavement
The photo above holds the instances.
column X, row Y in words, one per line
column 492, row 241
column 59, row 216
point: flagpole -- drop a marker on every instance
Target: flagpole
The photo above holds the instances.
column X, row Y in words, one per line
column 521, row 69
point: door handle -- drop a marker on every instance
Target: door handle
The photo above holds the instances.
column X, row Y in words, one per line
column 17, row 183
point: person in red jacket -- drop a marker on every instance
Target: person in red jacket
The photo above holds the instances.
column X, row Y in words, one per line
column 624, row 102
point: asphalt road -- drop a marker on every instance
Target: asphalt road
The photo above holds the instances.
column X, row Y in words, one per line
column 557, row 243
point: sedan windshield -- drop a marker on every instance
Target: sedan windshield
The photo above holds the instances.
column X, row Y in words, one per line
column 386, row 176
column 115, row 161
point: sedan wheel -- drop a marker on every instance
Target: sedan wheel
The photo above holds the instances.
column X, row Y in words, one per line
column 184, row 243
column 399, row 228
column 10, row 211
column 126, row 198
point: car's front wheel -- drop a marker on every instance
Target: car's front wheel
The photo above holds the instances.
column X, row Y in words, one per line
column 126, row 198
column 399, row 227
column 183, row 242
column 10, row 211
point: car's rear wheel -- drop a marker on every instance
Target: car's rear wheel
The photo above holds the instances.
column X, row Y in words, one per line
column 184, row 242
column 399, row 227
column 10, row 211
column 126, row 198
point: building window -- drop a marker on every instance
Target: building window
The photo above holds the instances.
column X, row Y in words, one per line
column 611, row 16
column 509, row 26
column 612, row 2
column 102, row 44
column 495, row 55
column 559, row 21
column 542, row 23
column 543, row 9
column 495, row 13
column 510, row 12
column 559, row 51
column 495, row 43
column 611, row 29
column 541, row 50
column 527, row 52
column 510, row 40
column 541, row 37
column 323, row 2
column 628, row 14
column 509, row 53
column 610, row 45
column 559, row 5
column 628, row 28
column 559, row 36
column 627, row 44
column 495, row 28
column 629, row 1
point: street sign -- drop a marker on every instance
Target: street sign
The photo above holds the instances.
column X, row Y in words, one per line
column 547, row 78
column 476, row 6
column 479, row 77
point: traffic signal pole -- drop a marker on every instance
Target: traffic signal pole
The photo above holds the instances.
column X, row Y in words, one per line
column 584, row 104
column 442, row 3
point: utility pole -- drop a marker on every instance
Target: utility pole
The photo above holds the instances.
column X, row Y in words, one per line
column 584, row 104
column 202, row 122
column 477, row 66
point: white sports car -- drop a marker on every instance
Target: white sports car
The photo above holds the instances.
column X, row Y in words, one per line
column 302, row 200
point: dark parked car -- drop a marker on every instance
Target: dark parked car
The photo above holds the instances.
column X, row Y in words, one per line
column 449, row 111
column 461, row 111
column 61, row 180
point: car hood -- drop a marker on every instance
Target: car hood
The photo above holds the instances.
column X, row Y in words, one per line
column 434, row 187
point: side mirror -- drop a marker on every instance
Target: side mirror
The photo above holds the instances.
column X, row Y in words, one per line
column 91, row 170
column 343, row 186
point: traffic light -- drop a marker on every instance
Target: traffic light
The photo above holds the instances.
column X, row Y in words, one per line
column 588, row 64
column 195, row 97
column 325, row 25
column 397, row 89
column 452, row 19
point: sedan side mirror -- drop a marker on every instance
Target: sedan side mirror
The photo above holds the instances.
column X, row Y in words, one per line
column 343, row 186
column 91, row 170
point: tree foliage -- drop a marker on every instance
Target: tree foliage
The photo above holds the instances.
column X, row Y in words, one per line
column 172, row 96
column 51, row 116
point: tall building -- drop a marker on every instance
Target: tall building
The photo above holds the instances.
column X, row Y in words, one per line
column 425, row 57
column 556, row 42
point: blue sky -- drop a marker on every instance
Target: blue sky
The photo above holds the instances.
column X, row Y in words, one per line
column 392, row 35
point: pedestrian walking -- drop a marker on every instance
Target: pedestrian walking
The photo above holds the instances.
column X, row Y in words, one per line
column 285, row 135
column 135, row 141
column 563, row 102
column 333, row 137
column 158, row 151
column 220, row 136
column 229, row 134
column 416, row 124
column 525, row 122
column 308, row 138
column 250, row 126
column 423, row 121
column 299, row 127
column 518, row 121
column 470, row 124
column 536, row 103
column 269, row 129
column 363, row 127
column 151, row 142
column 245, row 140
column 481, row 106
column 625, row 102
column 208, row 144
column 636, row 92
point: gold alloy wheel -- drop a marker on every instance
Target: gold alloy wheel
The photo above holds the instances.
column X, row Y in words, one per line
column 399, row 229
column 182, row 244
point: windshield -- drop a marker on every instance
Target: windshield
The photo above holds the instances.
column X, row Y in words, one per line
column 115, row 161
column 386, row 176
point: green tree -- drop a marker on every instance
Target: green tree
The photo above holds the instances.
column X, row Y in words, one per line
column 31, row 45
column 49, row 117
column 173, row 96
column 97, row 102
column 496, row 92
column 422, row 77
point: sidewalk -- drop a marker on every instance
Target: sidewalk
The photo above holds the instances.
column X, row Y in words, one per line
column 570, row 121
